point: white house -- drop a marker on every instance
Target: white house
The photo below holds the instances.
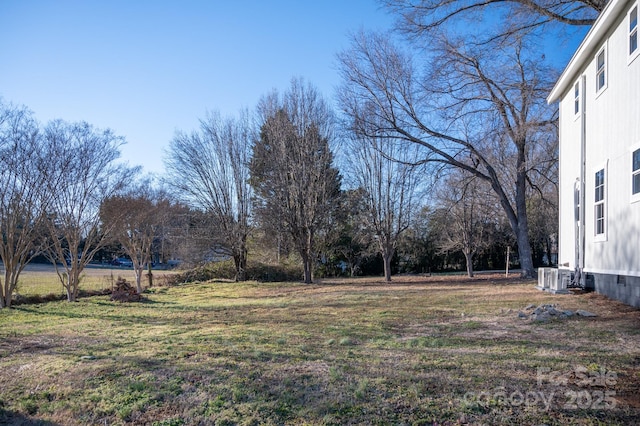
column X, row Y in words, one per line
column 599, row 95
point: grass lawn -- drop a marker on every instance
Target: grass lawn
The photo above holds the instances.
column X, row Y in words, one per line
column 416, row 351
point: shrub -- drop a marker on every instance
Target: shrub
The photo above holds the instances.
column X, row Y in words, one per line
column 257, row 271
column 271, row 273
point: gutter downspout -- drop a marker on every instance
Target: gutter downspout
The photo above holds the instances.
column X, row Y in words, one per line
column 580, row 277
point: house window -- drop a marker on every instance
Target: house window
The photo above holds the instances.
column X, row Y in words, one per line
column 576, row 98
column 599, row 203
column 635, row 172
column 633, row 31
column 601, row 69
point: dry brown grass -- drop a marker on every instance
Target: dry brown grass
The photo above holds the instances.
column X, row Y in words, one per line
column 421, row 350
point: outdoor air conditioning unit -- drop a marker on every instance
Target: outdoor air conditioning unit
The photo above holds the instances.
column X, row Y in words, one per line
column 557, row 285
column 543, row 282
column 549, row 280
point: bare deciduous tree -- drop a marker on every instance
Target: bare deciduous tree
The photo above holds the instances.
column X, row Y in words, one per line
column 209, row 170
column 502, row 18
column 464, row 215
column 82, row 171
column 479, row 109
column 382, row 169
column 134, row 219
column 291, row 166
column 22, row 201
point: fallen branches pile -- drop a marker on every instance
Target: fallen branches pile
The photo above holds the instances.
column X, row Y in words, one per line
column 125, row 292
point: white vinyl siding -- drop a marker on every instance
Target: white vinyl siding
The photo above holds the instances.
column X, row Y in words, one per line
column 609, row 127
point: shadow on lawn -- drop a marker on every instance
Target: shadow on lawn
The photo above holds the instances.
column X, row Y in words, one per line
column 17, row 419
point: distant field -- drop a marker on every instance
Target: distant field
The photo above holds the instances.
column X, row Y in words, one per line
column 41, row 279
column 436, row 350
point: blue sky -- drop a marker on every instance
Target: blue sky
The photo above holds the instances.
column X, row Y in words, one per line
column 148, row 68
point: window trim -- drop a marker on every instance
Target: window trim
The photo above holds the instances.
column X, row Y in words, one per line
column 604, row 202
column 605, row 69
column 633, row 198
column 633, row 55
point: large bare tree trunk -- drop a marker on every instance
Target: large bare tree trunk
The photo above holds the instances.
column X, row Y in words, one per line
column 139, row 270
column 240, row 260
column 308, row 270
column 386, row 257
column 468, row 257
column 522, row 230
column 5, row 297
column 306, row 252
column 71, row 281
column 149, row 274
column 11, row 274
